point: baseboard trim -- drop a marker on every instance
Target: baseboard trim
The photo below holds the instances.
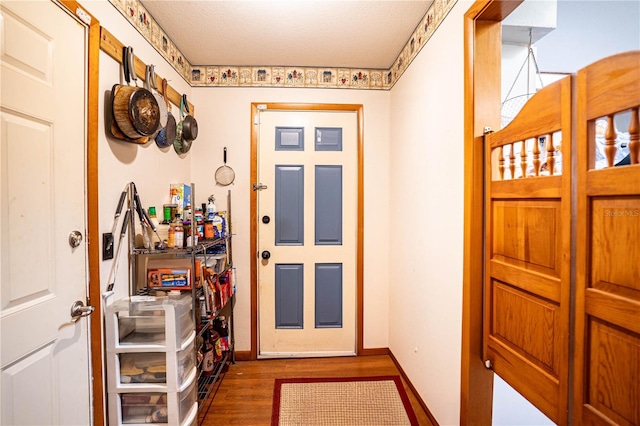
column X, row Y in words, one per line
column 413, row 389
column 374, row 351
column 243, row 356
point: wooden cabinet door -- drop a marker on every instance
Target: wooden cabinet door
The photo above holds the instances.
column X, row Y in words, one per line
column 527, row 250
column 607, row 323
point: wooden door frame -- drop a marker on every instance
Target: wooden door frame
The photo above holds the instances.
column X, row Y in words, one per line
column 253, row 204
column 93, row 231
column 482, row 92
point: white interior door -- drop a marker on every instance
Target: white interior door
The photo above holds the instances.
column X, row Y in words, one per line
column 44, row 353
column 307, row 218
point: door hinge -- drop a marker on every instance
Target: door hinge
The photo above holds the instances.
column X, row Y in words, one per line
column 487, row 130
column 83, row 16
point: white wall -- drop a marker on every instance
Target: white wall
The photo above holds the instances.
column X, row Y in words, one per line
column 588, row 31
column 426, row 209
column 224, row 119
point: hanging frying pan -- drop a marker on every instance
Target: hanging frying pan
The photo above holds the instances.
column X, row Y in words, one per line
column 116, row 132
column 178, row 143
column 167, row 134
column 150, row 85
column 225, row 174
column 189, row 125
column 135, row 108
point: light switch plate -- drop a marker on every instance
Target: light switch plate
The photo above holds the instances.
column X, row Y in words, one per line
column 107, row 246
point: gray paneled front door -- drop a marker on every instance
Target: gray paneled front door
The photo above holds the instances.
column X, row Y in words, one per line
column 307, row 229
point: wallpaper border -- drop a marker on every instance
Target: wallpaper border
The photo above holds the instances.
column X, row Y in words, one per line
column 279, row 76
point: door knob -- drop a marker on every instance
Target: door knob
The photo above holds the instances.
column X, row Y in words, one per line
column 78, row 310
column 75, row 238
column 265, row 254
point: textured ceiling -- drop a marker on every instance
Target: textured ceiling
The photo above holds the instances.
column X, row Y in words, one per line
column 318, row 33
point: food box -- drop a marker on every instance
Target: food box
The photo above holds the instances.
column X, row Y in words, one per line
column 169, row 278
column 181, row 195
column 220, row 224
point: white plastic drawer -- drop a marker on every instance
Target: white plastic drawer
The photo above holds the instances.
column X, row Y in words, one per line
column 154, row 321
column 146, row 367
column 153, row 407
column 150, row 370
column 144, row 408
column 186, row 362
column 187, row 399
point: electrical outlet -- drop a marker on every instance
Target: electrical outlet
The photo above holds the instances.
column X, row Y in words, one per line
column 107, row 246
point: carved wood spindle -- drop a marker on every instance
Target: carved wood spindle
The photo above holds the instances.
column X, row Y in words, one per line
column 634, row 136
column 610, row 141
column 551, row 152
column 523, row 158
column 536, row 157
column 512, row 162
column 501, row 162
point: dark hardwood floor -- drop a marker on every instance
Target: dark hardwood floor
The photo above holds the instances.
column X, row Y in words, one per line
column 245, row 394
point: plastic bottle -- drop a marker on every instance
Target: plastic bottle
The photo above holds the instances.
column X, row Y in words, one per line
column 211, row 208
column 171, row 236
column 199, row 225
column 153, row 216
column 208, row 355
column 178, row 232
column 188, row 236
column 154, row 222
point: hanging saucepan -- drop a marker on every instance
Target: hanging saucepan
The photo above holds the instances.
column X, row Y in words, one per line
column 167, row 134
column 180, row 144
column 113, row 125
column 189, row 125
column 183, row 146
column 150, row 85
column 135, row 108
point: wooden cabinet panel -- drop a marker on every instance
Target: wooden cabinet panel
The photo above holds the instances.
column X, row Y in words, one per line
column 613, row 387
column 526, row 231
column 615, row 242
column 527, row 323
